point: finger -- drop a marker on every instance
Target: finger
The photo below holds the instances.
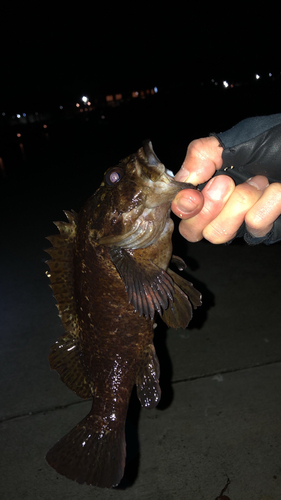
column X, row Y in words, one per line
column 259, row 220
column 225, row 226
column 216, row 193
column 203, row 158
column 187, row 203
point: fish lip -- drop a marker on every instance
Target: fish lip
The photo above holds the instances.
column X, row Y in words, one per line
column 151, row 157
column 164, row 173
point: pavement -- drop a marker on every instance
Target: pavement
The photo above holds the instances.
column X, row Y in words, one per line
column 219, row 419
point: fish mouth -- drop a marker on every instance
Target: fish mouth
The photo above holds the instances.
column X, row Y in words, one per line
column 165, row 187
column 151, row 157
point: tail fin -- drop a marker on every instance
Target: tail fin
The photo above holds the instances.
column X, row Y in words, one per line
column 91, row 453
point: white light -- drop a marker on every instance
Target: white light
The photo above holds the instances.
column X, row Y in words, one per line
column 225, row 84
column 270, row 74
column 169, row 172
column 84, row 98
column 61, row 107
column 18, row 116
column 257, row 76
column 155, row 90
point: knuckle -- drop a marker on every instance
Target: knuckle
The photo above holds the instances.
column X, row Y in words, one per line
column 189, row 233
column 216, row 234
column 244, row 194
column 275, row 189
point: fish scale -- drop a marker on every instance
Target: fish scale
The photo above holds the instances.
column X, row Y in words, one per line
column 110, row 276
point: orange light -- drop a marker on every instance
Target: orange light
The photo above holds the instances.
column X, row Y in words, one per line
column 18, row 135
column 45, row 126
column 109, row 98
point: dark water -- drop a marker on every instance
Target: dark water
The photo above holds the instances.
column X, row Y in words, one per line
column 48, row 170
column 63, row 164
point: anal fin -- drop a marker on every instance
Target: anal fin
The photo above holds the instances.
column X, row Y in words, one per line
column 147, row 382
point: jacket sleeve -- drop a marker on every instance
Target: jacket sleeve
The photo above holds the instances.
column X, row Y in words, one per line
column 253, row 147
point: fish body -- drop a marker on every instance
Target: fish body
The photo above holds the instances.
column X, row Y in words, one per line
column 109, row 273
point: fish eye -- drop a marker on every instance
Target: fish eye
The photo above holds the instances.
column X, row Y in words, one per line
column 114, row 175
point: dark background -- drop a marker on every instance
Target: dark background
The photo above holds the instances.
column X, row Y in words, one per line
column 54, row 160
column 52, row 55
column 50, row 51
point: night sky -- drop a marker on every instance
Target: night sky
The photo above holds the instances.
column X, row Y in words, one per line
column 52, row 53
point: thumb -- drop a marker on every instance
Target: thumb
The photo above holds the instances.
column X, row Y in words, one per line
column 203, row 158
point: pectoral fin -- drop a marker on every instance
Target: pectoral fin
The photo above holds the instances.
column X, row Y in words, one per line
column 188, row 288
column 179, row 312
column 149, row 288
column 147, row 382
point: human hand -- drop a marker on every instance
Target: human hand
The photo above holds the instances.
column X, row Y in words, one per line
column 219, row 210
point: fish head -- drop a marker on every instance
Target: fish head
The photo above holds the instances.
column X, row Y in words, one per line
column 132, row 204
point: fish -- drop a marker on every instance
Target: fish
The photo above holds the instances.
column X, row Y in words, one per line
column 110, row 276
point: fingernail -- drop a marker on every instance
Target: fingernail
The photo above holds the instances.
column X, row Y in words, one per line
column 186, row 204
column 182, row 175
column 217, row 188
column 255, row 184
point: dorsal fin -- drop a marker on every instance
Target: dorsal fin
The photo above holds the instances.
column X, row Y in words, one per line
column 65, row 355
column 61, row 271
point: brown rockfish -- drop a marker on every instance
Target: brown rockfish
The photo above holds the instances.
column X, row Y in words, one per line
column 109, row 274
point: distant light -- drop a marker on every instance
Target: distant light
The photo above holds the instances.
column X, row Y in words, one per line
column 155, row 90
column 270, row 74
column 102, row 117
column 45, row 126
column 118, row 97
column 77, row 105
column 3, row 114
column 257, row 76
column 89, row 103
column 18, row 116
column 36, row 113
column 109, row 98
column 18, row 135
column 61, row 107
column 84, row 98
column 135, row 94
column 225, row 84
column 24, row 114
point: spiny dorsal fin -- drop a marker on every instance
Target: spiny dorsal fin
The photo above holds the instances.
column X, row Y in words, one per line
column 61, row 271
column 65, row 355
